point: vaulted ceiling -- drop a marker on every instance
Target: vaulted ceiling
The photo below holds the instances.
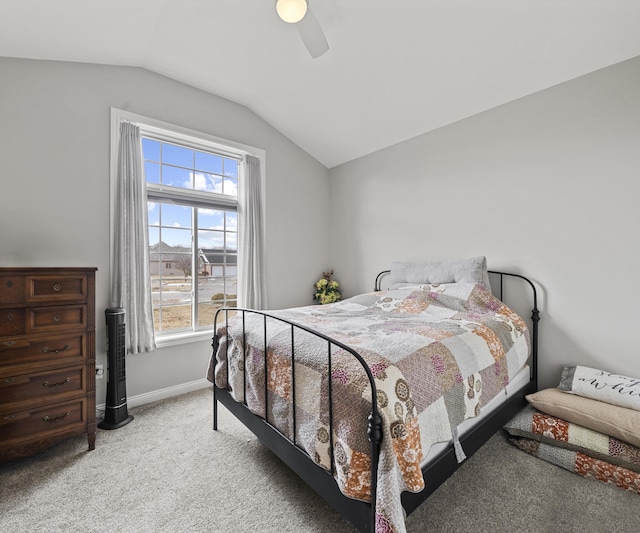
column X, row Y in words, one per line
column 395, row 68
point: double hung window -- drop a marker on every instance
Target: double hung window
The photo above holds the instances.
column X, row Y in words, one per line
column 192, row 193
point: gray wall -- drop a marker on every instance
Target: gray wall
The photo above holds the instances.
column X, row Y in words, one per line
column 547, row 186
column 54, row 204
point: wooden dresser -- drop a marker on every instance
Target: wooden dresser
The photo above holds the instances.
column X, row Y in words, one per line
column 47, row 358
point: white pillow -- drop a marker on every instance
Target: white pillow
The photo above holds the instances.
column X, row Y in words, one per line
column 473, row 270
column 600, row 385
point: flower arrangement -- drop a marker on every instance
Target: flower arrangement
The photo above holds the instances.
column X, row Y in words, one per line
column 327, row 290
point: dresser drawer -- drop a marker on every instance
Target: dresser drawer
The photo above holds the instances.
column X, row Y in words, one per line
column 12, row 289
column 52, row 386
column 67, row 348
column 56, row 318
column 42, row 421
column 12, row 322
column 39, row 319
column 56, row 288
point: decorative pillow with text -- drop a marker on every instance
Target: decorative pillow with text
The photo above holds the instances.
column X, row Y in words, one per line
column 600, row 385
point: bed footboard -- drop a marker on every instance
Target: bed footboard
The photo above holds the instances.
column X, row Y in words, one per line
column 361, row 514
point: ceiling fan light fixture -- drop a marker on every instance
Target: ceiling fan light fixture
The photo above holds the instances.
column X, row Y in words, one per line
column 291, row 11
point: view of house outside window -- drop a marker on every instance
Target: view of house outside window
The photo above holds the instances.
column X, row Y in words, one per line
column 193, row 233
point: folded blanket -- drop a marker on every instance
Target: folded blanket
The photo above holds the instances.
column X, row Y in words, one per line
column 581, row 464
column 541, row 427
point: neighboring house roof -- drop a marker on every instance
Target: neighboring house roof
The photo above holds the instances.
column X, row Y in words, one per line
column 217, row 256
column 165, row 252
column 161, row 247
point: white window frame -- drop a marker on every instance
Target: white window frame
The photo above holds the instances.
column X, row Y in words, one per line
column 194, row 139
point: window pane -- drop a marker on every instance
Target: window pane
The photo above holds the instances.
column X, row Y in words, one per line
column 153, row 213
column 172, row 318
column 231, row 271
column 230, row 297
column 152, row 172
column 177, row 177
column 154, row 236
column 176, row 237
column 177, row 155
column 216, row 184
column 211, row 239
column 211, row 296
column 151, row 149
column 230, row 186
column 231, row 241
column 211, row 219
column 231, row 168
column 171, row 276
column 171, row 260
column 206, row 313
column 175, row 216
column 209, row 163
column 207, row 182
column 177, row 263
column 231, row 221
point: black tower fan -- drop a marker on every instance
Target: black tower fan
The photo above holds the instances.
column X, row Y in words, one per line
column 115, row 413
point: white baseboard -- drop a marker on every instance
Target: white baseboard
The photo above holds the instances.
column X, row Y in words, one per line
column 163, row 394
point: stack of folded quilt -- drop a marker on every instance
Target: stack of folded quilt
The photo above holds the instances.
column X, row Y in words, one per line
column 589, row 425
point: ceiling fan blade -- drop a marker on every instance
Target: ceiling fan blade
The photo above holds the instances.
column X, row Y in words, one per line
column 312, row 35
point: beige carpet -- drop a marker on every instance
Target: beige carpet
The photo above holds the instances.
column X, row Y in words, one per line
column 168, row 471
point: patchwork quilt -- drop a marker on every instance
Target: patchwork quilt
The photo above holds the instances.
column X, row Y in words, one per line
column 438, row 353
column 577, row 449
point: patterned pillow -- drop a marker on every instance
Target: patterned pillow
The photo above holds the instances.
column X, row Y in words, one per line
column 536, row 425
column 600, row 385
column 473, row 270
column 618, row 422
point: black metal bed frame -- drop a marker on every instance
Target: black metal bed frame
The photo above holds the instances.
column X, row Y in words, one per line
column 436, row 471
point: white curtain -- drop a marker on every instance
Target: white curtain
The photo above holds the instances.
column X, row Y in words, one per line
column 131, row 283
column 251, row 278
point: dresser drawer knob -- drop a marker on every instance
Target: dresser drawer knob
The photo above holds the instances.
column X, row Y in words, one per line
column 57, row 350
column 8, row 380
column 57, row 287
column 57, row 317
column 49, row 385
column 57, row 418
column 9, row 417
column 9, row 284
